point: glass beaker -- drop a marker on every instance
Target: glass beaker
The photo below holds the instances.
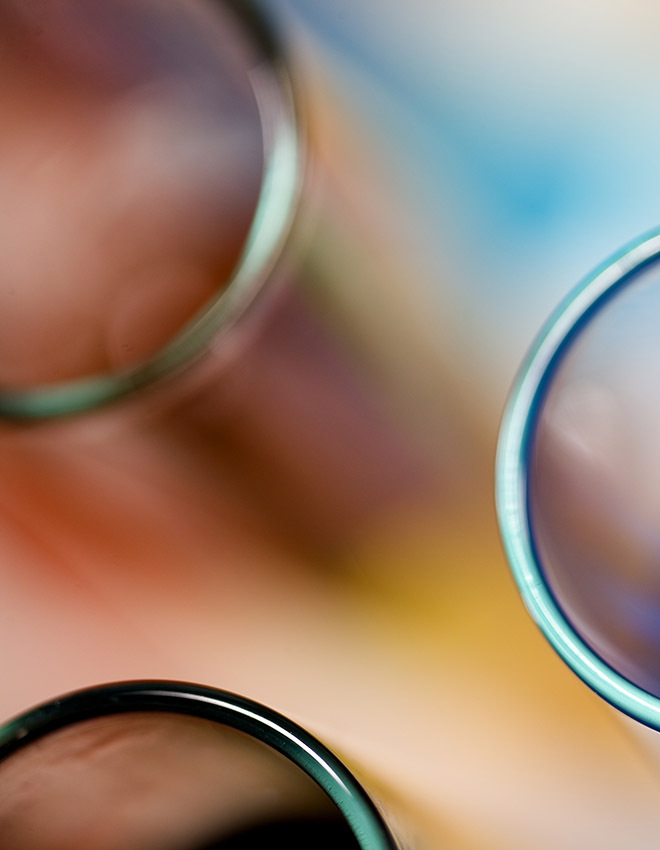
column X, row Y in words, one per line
column 171, row 766
column 153, row 227
column 157, row 176
column 577, row 481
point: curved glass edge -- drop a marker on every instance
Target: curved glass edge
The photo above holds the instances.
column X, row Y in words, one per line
column 511, row 476
column 252, row 718
column 278, row 200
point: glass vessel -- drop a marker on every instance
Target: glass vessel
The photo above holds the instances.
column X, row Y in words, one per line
column 153, row 232
column 151, row 220
column 577, row 481
column 172, row 766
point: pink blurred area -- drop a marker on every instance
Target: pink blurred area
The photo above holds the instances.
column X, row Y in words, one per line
column 125, row 155
column 308, row 521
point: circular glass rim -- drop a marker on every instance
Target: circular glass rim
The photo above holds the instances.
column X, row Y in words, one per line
column 519, row 424
column 236, row 712
column 284, row 157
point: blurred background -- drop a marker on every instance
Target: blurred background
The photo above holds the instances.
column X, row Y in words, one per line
column 319, row 534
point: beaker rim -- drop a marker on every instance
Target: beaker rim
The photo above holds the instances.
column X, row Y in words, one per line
column 517, row 433
column 228, row 709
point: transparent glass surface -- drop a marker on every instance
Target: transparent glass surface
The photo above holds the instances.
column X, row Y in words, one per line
column 577, row 479
column 150, row 168
column 176, row 769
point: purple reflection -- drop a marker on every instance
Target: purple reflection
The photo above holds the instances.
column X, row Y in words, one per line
column 595, row 482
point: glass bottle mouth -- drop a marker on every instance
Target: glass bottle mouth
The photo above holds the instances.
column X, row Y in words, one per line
column 515, row 468
column 270, row 227
column 260, row 724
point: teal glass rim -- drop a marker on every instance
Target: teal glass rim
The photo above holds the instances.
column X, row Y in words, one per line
column 272, row 223
column 228, row 709
column 516, row 440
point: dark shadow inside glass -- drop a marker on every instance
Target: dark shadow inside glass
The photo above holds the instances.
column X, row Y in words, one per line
column 159, row 781
column 594, row 481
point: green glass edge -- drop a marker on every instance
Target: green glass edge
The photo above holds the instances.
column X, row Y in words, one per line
column 250, row 717
column 511, row 485
column 319, row 763
column 271, row 225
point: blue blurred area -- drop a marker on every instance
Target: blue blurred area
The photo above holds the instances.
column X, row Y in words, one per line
column 526, row 166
